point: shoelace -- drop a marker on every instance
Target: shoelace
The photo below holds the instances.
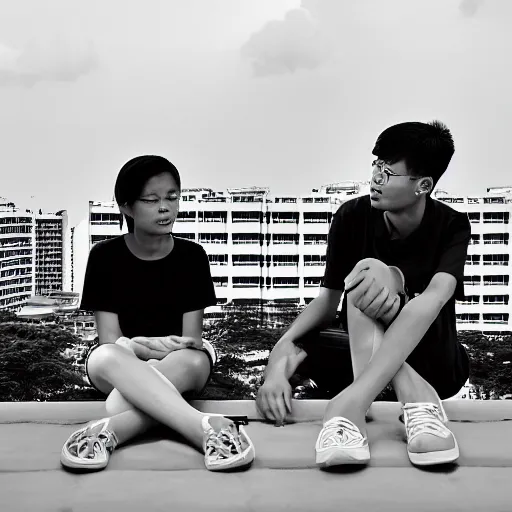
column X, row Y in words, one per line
column 222, row 444
column 424, row 419
column 340, row 432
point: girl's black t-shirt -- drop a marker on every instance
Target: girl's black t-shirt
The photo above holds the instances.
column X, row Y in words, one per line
column 149, row 297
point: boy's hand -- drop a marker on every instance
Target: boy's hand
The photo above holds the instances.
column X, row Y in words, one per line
column 370, row 296
column 274, row 399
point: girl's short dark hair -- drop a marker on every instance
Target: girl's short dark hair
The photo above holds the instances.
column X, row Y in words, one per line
column 135, row 174
column 427, row 148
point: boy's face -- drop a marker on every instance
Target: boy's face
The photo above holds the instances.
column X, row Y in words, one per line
column 392, row 187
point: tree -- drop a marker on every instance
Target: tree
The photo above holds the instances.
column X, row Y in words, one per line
column 490, row 363
column 33, row 364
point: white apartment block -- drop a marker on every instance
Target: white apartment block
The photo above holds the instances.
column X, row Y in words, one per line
column 52, row 252
column 17, row 255
column 487, row 306
column 33, row 254
column 266, row 249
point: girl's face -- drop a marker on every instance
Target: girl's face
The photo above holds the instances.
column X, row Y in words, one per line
column 156, row 208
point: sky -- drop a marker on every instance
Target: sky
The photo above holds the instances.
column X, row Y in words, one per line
column 286, row 94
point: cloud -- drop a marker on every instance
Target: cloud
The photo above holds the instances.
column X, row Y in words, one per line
column 284, row 46
column 469, row 8
column 60, row 59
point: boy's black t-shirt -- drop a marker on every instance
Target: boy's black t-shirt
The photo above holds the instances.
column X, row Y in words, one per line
column 439, row 244
column 149, row 297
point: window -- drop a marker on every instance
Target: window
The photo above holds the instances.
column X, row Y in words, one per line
column 246, row 282
column 285, row 282
column 474, row 240
column 496, row 280
column 218, row 259
column 496, row 217
column 495, row 318
column 496, row 259
column 314, row 260
column 470, row 299
column 220, row 282
column 285, row 260
column 246, row 259
column 285, row 217
column 213, row 238
column 468, row 318
column 496, row 238
column 312, row 281
column 307, row 199
column 321, row 199
column 186, row 216
column 246, row 238
column 496, row 299
column 494, row 200
column 213, row 216
column 474, row 217
column 315, row 239
column 473, row 259
column 317, row 217
column 472, row 280
column 473, row 200
column 105, row 218
column 286, row 199
column 246, row 216
column 285, row 239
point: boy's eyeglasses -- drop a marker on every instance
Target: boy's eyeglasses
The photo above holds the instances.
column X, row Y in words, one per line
column 381, row 173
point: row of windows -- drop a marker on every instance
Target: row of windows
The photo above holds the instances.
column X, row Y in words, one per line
column 14, row 290
column 490, row 238
column 488, row 280
column 15, row 252
column 490, row 217
column 7, row 230
column 105, row 218
column 16, row 272
column 276, row 282
column 488, row 259
column 15, row 242
column 487, row 299
column 15, row 220
column 257, row 216
column 488, row 318
column 282, row 260
column 16, row 261
column 14, row 282
column 255, row 238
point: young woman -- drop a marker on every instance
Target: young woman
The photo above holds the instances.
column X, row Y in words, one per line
column 148, row 290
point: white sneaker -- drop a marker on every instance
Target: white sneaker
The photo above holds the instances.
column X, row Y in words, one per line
column 224, row 450
column 341, row 442
column 429, row 440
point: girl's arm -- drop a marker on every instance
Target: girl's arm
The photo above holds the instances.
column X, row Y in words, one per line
column 107, row 324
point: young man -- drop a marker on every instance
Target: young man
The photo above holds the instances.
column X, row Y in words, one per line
column 399, row 256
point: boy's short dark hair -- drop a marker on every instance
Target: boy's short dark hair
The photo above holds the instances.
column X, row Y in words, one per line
column 427, row 148
column 135, row 174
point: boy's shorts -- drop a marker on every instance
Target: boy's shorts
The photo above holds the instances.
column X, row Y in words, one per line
column 329, row 365
column 207, row 348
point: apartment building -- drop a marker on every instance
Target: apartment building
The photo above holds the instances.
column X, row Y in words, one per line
column 17, row 265
column 487, row 305
column 51, row 250
column 270, row 249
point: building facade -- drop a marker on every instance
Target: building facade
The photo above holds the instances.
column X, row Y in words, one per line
column 270, row 250
column 17, row 256
column 487, row 305
column 51, row 247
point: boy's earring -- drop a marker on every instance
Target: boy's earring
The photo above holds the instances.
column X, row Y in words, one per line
column 417, row 192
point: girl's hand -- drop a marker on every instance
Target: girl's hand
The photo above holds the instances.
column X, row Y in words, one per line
column 146, row 347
